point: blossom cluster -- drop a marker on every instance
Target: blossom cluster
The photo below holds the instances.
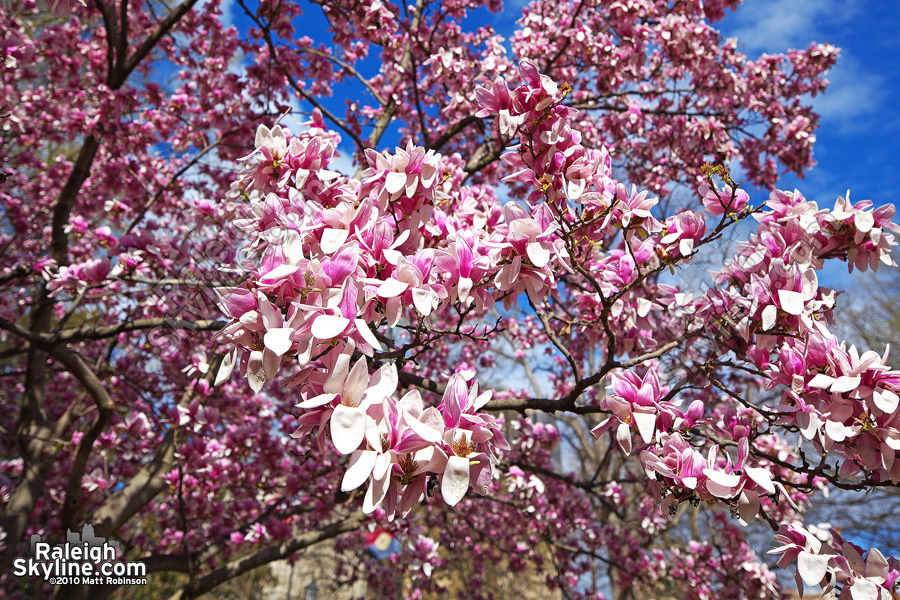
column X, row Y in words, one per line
column 837, row 565
column 341, row 259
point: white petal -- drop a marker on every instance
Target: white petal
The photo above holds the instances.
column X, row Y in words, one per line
column 361, row 464
column 429, row 434
column 835, row 430
column 863, row 589
column 363, row 328
column 394, row 182
column 623, row 436
column 279, row 272
column 727, row 479
column 575, row 188
column 333, row 239
column 256, row 372
column 227, row 366
column 643, row 307
column 482, row 399
column 812, row 567
column 263, row 136
column 348, row 428
column 821, row 381
column 464, row 287
column 886, row 400
column 292, row 246
column 455, row 481
column 279, row 340
column 392, row 288
column 646, row 425
column 845, row 384
column 769, row 316
column 316, row 401
column 761, row 477
column 423, row 300
column 791, row 302
column 538, row 254
column 327, row 327
column 864, row 221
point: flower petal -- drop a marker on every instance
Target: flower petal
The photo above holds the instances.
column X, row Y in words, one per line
column 646, row 425
column 791, row 302
column 227, row 366
column 279, row 340
column 761, row 477
column 394, row 182
column 886, row 400
column 332, row 239
column 327, row 327
column 361, row 464
column 455, row 481
column 348, row 428
column 392, row 287
column 429, row 434
column 812, row 567
column 316, row 401
column 538, row 254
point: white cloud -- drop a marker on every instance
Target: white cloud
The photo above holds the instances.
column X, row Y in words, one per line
column 227, row 8
column 776, row 25
column 854, row 93
column 773, row 26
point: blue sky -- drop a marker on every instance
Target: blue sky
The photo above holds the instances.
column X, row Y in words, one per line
column 857, row 143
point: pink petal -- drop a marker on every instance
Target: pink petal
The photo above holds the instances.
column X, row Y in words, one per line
column 749, row 506
column 411, row 495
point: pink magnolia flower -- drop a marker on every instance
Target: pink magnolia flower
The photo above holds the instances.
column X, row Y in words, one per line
column 719, row 202
column 687, row 228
